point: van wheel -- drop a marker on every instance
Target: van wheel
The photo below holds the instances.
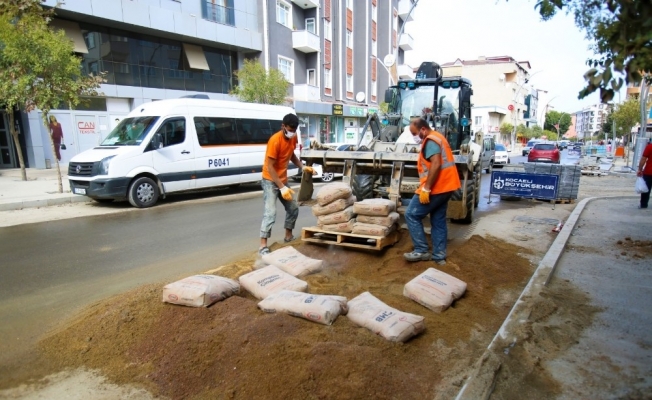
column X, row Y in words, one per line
column 327, row 176
column 143, row 192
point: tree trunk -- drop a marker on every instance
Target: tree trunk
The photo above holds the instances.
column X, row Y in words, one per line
column 19, row 150
column 54, row 153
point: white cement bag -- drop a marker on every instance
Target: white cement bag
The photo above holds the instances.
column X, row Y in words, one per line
column 387, row 221
column 434, row 289
column 269, row 280
column 293, row 262
column 379, row 207
column 372, row 230
column 317, row 308
column 344, row 227
column 336, row 218
column 330, row 208
column 199, row 290
column 390, row 323
column 333, row 191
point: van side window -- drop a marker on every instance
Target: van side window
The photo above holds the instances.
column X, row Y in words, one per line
column 216, row 131
column 257, row 131
column 173, row 131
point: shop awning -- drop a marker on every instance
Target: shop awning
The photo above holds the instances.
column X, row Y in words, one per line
column 196, row 57
column 73, row 32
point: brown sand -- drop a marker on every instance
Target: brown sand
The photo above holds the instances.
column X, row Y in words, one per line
column 233, row 350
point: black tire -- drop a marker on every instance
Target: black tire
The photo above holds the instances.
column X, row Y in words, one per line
column 478, row 180
column 363, row 186
column 524, row 153
column 490, row 167
column 472, row 189
column 327, row 176
column 103, row 201
column 143, row 192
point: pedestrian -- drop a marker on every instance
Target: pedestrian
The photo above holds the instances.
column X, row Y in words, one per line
column 645, row 170
column 57, row 135
column 438, row 179
column 280, row 151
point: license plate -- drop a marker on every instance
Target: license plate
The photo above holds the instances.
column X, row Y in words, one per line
column 79, row 191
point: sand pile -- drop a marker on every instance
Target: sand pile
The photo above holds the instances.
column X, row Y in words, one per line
column 234, row 350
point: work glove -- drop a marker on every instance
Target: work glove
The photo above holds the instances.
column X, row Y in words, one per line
column 424, row 196
column 287, row 193
column 310, row 170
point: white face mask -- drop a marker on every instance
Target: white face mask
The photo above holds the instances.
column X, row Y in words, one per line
column 417, row 139
column 289, row 134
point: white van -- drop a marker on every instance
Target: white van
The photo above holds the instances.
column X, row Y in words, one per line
column 177, row 145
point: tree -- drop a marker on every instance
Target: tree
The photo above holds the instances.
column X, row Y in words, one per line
column 620, row 33
column 259, row 86
column 555, row 117
column 537, row 131
column 506, row 128
column 38, row 68
column 550, row 135
column 627, row 115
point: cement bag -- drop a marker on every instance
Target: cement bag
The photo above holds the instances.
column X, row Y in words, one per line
column 288, row 259
column 379, row 207
column 269, row 280
column 333, row 191
column 318, row 308
column 387, row 221
column 336, row 218
column 390, row 323
column 372, row 230
column 434, row 289
column 330, row 208
column 199, row 290
column 344, row 227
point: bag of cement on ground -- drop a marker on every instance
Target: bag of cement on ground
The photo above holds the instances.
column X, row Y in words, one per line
column 344, row 227
column 333, row 191
column 379, row 207
column 293, row 262
column 318, row 308
column 199, row 290
column 372, row 230
column 390, row 323
column 336, row 218
column 434, row 289
column 387, row 221
column 330, row 208
column 269, row 280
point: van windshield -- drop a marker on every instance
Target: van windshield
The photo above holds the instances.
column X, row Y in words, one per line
column 130, row 132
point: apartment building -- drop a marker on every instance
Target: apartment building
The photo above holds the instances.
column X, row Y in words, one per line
column 589, row 120
column 634, row 91
column 500, row 92
column 331, row 51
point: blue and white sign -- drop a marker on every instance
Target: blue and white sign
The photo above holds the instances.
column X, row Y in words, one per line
column 533, row 186
column 464, row 122
column 574, row 151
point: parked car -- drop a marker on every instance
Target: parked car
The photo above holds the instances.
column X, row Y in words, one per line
column 501, row 156
column 563, row 144
column 544, row 152
column 529, row 145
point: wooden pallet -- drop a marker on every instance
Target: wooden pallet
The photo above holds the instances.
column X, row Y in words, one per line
column 594, row 172
column 564, row 201
column 316, row 235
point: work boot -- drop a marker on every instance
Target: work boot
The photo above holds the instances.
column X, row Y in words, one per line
column 415, row 256
column 440, row 262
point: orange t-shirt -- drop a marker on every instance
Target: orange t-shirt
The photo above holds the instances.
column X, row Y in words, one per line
column 280, row 149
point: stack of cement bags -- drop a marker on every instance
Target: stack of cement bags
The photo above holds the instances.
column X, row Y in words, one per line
column 334, row 208
column 375, row 217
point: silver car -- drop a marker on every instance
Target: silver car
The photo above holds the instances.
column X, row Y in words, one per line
column 528, row 146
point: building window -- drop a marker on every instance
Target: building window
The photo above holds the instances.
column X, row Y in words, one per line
column 220, row 11
column 395, row 20
column 478, row 120
column 90, row 40
column 328, row 79
column 312, row 77
column 349, row 83
column 349, row 39
column 349, row 4
column 374, row 89
column 374, row 48
column 374, row 13
column 310, row 25
column 286, row 66
column 327, row 30
column 283, row 13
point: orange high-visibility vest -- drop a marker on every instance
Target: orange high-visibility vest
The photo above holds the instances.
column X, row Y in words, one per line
column 448, row 180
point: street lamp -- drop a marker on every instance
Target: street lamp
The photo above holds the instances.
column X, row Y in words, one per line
column 526, row 80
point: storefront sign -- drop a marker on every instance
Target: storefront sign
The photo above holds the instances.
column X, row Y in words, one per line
column 338, row 109
column 534, row 186
column 355, row 111
column 85, row 124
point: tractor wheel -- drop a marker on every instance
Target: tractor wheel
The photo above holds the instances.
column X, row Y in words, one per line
column 470, row 202
column 363, row 186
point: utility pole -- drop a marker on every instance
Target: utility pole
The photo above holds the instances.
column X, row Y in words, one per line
column 641, row 141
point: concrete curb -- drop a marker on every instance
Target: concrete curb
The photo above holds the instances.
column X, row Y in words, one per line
column 482, row 380
column 55, row 201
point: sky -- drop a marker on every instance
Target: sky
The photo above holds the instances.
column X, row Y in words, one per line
column 445, row 30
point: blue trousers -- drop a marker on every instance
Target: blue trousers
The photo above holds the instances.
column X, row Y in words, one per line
column 414, row 216
column 270, row 193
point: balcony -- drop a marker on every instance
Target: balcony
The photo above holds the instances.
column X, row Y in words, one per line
column 306, row 93
column 305, row 4
column 305, row 41
column 405, row 72
column 406, row 42
column 404, row 9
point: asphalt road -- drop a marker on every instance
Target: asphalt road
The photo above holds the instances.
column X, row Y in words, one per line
column 517, row 158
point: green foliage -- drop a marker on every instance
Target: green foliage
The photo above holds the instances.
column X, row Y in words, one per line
column 506, row 128
column 555, row 117
column 550, row 135
column 384, row 107
column 620, row 32
column 626, row 115
column 258, row 86
column 536, row 131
